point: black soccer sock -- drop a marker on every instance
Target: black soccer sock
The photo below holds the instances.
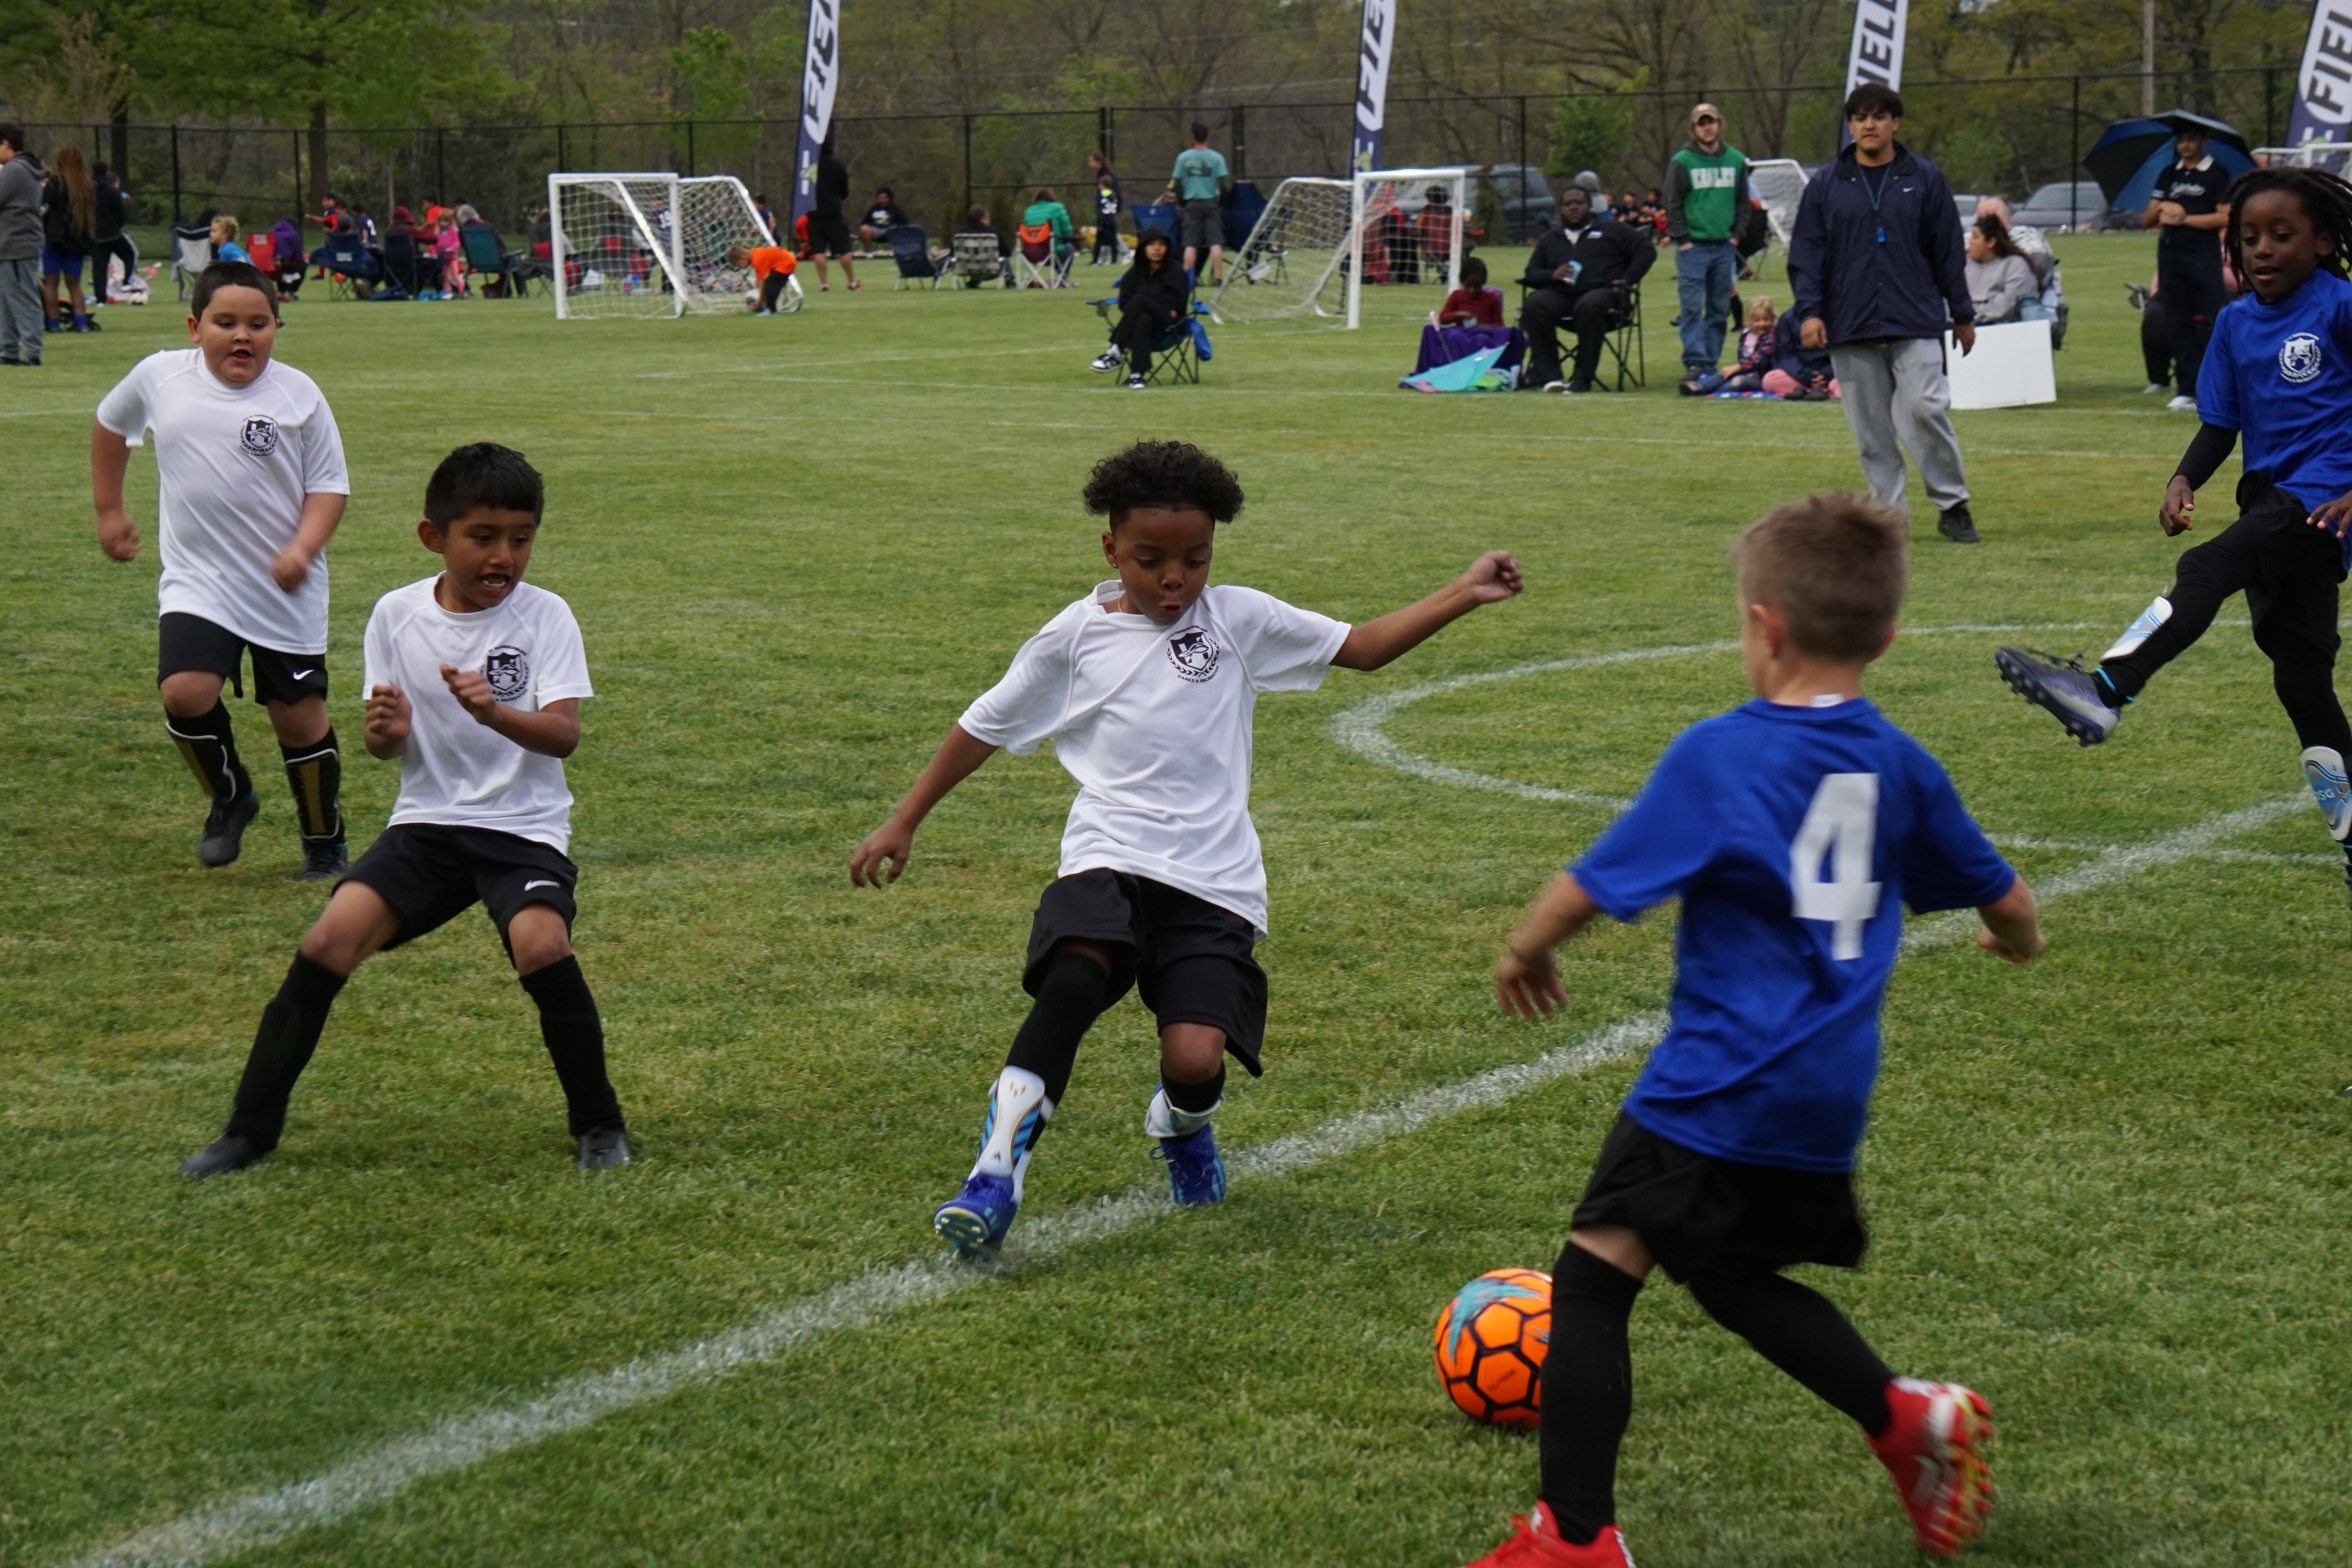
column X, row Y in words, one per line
column 1588, row 1391
column 210, row 747
column 1069, row 999
column 315, row 773
column 1798, row 1330
column 1195, row 1098
column 575, row 1043
column 283, row 1046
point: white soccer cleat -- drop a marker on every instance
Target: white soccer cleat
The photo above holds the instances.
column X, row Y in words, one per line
column 2323, row 768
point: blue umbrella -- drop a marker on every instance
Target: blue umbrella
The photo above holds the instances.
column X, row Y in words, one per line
column 2130, row 153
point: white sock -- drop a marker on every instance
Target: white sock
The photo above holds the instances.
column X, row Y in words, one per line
column 2141, row 630
column 1017, row 1111
column 1164, row 1121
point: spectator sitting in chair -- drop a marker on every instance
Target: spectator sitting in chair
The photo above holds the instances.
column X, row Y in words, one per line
column 2000, row 281
column 285, row 243
column 1153, row 294
column 880, row 219
column 2031, row 242
column 1046, row 212
column 225, row 245
column 1582, row 274
column 772, row 265
column 1473, row 304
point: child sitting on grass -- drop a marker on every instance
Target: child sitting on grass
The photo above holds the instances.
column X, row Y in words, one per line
column 1793, row 828
column 772, row 265
column 1746, row 374
column 1473, row 304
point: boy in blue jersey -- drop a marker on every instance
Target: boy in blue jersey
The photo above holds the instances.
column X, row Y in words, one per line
column 2278, row 371
column 1791, row 829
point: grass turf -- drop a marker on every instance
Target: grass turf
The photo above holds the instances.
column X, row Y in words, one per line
column 2105, row 1189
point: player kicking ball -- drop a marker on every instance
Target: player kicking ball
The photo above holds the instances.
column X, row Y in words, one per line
column 1146, row 686
column 474, row 680
column 252, row 479
column 2279, row 372
column 1791, row 829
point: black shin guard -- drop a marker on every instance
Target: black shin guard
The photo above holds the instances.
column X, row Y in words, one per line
column 1070, row 998
column 1588, row 1391
column 282, row 1047
column 210, row 748
column 1797, row 1329
column 575, row 1043
column 1197, row 1098
column 315, row 774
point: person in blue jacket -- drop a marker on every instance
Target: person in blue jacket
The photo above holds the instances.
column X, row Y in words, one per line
column 1878, row 270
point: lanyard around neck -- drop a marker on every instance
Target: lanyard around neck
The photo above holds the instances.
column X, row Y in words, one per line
column 1876, row 195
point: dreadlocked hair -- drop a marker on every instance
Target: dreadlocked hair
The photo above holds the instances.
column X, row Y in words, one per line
column 2326, row 197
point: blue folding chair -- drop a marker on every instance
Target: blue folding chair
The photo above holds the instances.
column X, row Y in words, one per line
column 1178, row 352
column 911, row 249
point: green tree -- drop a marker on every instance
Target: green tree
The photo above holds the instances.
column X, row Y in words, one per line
column 717, row 77
column 1592, row 131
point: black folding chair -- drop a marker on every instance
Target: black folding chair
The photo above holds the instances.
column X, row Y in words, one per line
column 352, row 270
column 1175, row 352
column 912, row 251
column 1623, row 346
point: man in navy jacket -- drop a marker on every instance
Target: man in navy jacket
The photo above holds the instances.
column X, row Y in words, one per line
column 1878, row 267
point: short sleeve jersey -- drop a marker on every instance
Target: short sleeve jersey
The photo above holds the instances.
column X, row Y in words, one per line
column 2281, row 375
column 1198, row 170
column 2198, row 188
column 458, row 773
column 234, row 463
column 1792, row 835
column 1154, row 722
column 768, row 259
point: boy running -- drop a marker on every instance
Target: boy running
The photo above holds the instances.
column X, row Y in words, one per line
column 1790, row 828
column 2279, row 369
column 474, row 682
column 252, row 487
column 1147, row 687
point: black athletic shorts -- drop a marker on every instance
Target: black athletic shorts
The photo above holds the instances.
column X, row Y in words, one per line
column 1204, row 225
column 2291, row 571
column 187, row 642
column 828, row 236
column 431, row 874
column 1699, row 1215
column 1190, row 959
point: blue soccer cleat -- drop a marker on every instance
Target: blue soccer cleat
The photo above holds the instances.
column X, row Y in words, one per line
column 2323, row 768
column 974, row 1221
column 1196, row 1174
column 2075, row 697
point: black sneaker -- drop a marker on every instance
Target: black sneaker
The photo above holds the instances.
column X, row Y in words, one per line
column 229, row 1152
column 324, row 857
column 225, row 828
column 1957, row 526
column 603, row 1149
column 1688, row 386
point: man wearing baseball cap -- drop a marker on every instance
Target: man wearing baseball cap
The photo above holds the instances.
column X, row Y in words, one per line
column 1707, row 184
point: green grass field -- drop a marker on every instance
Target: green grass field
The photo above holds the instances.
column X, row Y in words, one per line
column 2106, row 1189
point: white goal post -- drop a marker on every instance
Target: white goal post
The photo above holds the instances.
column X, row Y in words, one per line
column 652, row 244
column 1320, row 240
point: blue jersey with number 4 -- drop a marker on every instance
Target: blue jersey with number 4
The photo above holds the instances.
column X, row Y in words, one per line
column 1793, row 836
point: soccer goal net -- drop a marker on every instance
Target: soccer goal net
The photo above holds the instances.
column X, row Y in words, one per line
column 653, row 245
column 1321, row 242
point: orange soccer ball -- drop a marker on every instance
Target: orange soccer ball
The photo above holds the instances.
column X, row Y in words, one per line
column 1491, row 1340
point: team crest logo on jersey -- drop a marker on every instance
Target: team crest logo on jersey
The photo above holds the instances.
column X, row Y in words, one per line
column 259, row 436
column 507, row 669
column 1192, row 654
column 2299, row 358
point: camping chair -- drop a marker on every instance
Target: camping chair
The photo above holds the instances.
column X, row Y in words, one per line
column 540, row 263
column 263, row 250
column 352, row 270
column 911, row 249
column 1037, row 261
column 191, row 252
column 1177, row 352
column 407, row 270
column 979, row 259
column 1623, row 346
column 482, row 254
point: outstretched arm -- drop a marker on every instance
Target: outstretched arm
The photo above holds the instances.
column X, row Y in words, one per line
column 1526, row 977
column 957, row 758
column 1493, row 577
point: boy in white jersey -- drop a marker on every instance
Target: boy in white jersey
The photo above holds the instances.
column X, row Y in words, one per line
column 474, row 682
column 1146, row 687
column 253, row 485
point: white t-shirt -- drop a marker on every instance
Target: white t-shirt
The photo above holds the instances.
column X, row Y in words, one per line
column 456, row 772
column 235, row 463
column 1154, row 723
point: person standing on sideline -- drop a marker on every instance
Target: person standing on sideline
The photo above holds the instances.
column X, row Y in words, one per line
column 2189, row 215
column 1707, row 182
column 828, row 235
column 1200, row 181
column 1877, row 265
column 21, row 179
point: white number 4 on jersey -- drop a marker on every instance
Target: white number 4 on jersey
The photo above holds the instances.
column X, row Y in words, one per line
column 1840, row 826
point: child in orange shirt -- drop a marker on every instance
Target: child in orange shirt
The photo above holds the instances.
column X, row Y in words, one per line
column 772, row 265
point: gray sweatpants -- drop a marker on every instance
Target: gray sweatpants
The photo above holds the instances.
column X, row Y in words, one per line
column 1897, row 399
column 20, row 308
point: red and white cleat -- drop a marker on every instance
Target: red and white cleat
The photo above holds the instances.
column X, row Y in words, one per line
column 1935, row 1451
column 1535, row 1542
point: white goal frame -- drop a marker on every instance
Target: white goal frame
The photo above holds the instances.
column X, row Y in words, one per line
column 650, row 202
column 1362, row 210
column 1361, row 215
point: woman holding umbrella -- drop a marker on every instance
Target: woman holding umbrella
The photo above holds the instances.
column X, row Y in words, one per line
column 2189, row 213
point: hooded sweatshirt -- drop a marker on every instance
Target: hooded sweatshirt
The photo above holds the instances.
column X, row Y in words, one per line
column 21, row 178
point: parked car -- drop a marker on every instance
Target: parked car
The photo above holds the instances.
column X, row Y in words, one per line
column 1528, row 204
column 1966, row 201
column 2078, row 204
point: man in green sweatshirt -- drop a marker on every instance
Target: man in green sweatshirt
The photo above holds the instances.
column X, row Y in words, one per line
column 1707, row 184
